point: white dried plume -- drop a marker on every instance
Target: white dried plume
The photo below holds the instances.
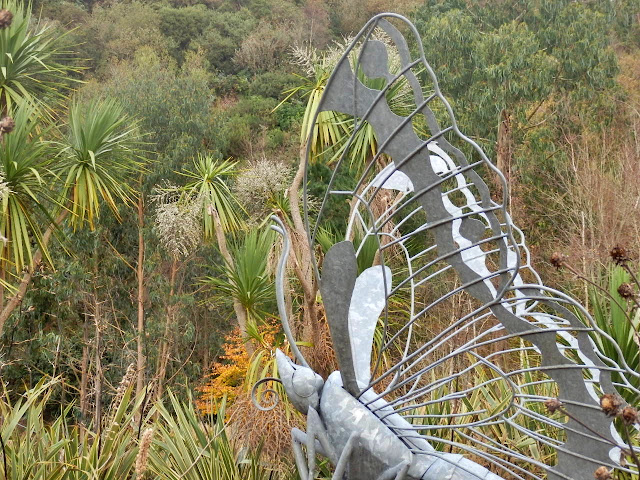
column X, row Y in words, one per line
column 5, row 191
column 143, row 453
column 126, row 381
column 314, row 61
column 177, row 221
column 256, row 186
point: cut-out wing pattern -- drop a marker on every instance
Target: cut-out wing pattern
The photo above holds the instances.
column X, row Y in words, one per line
column 367, row 303
column 469, row 343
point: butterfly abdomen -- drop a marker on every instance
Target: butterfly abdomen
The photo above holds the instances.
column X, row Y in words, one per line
column 380, row 446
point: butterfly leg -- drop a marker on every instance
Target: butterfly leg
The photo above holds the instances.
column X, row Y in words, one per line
column 399, row 472
column 343, row 461
column 300, row 438
column 316, row 441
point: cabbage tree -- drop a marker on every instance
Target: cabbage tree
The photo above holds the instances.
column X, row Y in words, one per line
column 209, row 187
column 44, row 181
column 33, row 66
column 48, row 182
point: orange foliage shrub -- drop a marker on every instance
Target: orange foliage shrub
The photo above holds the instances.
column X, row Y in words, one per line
column 247, row 426
column 227, row 375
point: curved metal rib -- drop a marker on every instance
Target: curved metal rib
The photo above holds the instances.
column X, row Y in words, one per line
column 280, row 228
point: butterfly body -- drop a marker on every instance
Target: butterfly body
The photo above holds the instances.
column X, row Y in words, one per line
column 349, row 433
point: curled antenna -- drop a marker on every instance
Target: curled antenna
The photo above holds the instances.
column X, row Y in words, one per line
column 280, row 228
column 264, row 396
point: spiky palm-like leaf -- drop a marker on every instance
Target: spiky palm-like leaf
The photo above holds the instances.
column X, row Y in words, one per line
column 209, row 185
column 332, row 131
column 25, row 161
column 247, row 279
column 97, row 164
column 32, row 447
column 620, row 320
column 31, row 67
column 42, row 450
column 189, row 449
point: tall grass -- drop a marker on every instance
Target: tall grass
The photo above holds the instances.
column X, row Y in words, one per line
column 38, row 450
column 190, row 448
column 180, row 444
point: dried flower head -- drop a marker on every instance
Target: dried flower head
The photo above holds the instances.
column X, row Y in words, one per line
column 602, row 473
column 558, row 259
column 177, row 222
column 315, row 62
column 126, row 382
column 306, row 57
column 5, row 18
column 619, row 255
column 552, row 405
column 258, row 185
column 610, row 404
column 629, row 415
column 7, row 124
column 5, row 190
column 143, row 452
column 625, row 290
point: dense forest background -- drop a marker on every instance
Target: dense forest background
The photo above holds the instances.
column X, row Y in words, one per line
column 549, row 88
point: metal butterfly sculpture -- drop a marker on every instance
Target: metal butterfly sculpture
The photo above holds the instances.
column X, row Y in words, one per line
column 404, row 404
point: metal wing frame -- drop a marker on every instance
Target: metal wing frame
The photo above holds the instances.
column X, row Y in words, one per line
column 469, row 252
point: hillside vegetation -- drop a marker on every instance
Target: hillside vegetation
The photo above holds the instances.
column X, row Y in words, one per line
column 153, row 140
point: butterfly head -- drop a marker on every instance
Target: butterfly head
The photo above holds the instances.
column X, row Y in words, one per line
column 303, row 385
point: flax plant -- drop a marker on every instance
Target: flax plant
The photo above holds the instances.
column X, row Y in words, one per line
column 188, row 447
column 39, row 450
column 30, row 448
column 176, row 444
column 620, row 318
column 109, row 454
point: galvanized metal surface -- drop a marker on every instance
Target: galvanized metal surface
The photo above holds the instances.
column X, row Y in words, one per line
column 383, row 420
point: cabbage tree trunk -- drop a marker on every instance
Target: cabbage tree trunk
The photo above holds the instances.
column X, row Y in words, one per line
column 140, row 364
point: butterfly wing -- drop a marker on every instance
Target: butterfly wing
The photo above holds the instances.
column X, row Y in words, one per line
column 353, row 307
column 367, row 303
column 471, row 343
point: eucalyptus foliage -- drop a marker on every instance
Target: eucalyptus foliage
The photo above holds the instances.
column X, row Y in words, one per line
column 531, row 59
